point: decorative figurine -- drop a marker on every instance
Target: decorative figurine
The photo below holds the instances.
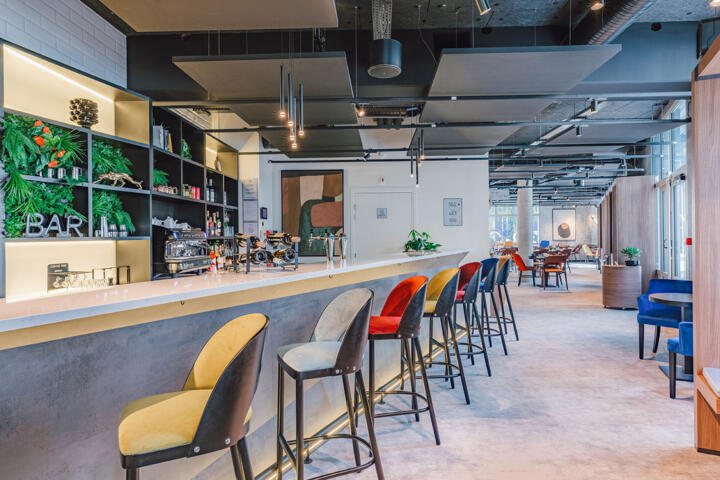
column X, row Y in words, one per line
column 84, row 112
column 118, row 178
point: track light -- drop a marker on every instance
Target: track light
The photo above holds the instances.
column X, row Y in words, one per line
column 360, row 111
column 578, row 131
column 283, row 113
column 483, row 6
column 599, row 4
column 594, row 103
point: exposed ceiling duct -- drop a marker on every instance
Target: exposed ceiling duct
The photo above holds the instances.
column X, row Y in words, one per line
column 618, row 16
column 385, row 53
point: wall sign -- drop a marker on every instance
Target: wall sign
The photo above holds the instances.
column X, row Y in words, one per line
column 452, row 212
column 381, row 213
column 35, row 226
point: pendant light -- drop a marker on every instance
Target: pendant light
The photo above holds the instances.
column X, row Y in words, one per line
column 301, row 128
column 291, row 116
column 483, row 6
column 599, row 4
column 412, row 160
column 283, row 113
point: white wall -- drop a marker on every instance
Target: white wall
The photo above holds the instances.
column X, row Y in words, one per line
column 69, row 32
column 467, row 180
column 586, row 226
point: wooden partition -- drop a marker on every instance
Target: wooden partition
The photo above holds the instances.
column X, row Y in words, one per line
column 706, row 315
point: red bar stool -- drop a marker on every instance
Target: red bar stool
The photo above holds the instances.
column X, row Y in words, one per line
column 467, row 297
column 400, row 320
column 442, row 291
column 210, row 413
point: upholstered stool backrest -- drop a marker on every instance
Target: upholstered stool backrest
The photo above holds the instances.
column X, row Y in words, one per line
column 358, row 306
column 446, row 281
column 473, row 286
column 407, row 300
column 519, row 261
column 230, row 365
column 503, row 273
column 467, row 271
column 339, row 314
column 488, row 274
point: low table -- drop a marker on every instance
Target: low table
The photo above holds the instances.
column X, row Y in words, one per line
column 685, row 302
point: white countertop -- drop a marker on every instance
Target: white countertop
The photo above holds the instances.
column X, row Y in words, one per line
column 59, row 308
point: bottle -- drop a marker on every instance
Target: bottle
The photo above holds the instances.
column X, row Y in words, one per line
column 279, row 238
column 286, row 255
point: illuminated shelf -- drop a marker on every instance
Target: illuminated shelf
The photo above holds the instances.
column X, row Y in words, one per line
column 73, row 239
column 100, row 186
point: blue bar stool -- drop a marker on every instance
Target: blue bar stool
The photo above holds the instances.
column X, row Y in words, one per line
column 335, row 349
column 468, row 299
column 487, row 290
column 210, row 413
column 501, row 284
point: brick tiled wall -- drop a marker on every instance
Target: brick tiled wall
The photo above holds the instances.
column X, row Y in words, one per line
column 69, row 32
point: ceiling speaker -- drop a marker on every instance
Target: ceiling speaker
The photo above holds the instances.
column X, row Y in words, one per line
column 385, row 58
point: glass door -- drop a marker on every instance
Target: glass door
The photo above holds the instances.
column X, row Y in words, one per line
column 672, row 227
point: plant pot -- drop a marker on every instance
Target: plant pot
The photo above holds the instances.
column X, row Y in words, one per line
column 632, row 263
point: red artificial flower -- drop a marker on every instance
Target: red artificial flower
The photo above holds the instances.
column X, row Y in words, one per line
column 46, row 130
column 39, row 140
column 61, row 153
column 53, row 164
column 37, row 123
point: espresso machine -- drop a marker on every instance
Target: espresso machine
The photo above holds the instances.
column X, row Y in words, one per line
column 182, row 252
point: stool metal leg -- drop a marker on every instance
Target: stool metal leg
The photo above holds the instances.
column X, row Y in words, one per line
column 478, row 318
column 512, row 314
column 672, row 372
column 360, row 388
column 428, row 396
column 502, row 308
column 372, row 378
column 485, row 319
column 299, row 431
column 280, row 421
column 497, row 317
column 237, row 463
column 132, row 474
column 453, row 339
column 241, row 451
column 448, row 370
column 351, row 418
column 411, row 366
column 468, row 328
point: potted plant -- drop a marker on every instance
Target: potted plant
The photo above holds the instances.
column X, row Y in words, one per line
column 632, row 254
column 419, row 243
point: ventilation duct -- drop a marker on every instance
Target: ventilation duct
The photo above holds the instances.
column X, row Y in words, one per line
column 385, row 53
column 618, row 16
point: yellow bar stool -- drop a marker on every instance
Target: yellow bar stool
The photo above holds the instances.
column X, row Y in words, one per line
column 210, row 413
column 335, row 349
column 440, row 302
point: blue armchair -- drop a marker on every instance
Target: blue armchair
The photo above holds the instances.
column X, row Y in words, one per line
column 650, row 313
column 680, row 345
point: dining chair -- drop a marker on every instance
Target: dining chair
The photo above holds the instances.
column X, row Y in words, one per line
column 554, row 264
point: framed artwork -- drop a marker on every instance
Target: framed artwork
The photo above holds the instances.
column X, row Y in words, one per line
column 563, row 224
column 312, row 205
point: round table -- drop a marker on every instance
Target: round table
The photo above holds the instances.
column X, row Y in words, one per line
column 685, row 302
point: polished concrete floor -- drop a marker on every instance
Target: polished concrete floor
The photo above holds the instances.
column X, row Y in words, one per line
column 571, row 400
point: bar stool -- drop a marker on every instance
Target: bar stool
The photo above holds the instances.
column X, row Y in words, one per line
column 442, row 291
column 487, row 289
column 468, row 298
column 210, row 413
column 400, row 320
column 501, row 284
column 335, row 349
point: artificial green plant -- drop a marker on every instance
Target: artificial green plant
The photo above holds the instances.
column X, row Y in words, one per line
column 108, row 204
column 420, row 242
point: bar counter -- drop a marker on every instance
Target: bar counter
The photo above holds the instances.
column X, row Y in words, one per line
column 70, row 362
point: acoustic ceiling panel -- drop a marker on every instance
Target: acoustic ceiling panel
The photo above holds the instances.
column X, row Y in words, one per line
column 440, row 141
column 319, row 143
column 517, row 70
column 191, row 15
column 594, row 136
column 483, row 110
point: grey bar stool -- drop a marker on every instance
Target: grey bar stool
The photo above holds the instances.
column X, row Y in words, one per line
column 336, row 348
column 468, row 299
column 487, row 290
column 210, row 413
column 501, row 285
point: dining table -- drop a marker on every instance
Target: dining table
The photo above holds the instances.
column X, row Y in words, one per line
column 684, row 301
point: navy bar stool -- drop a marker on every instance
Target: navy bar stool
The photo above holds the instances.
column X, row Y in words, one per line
column 468, row 299
column 335, row 349
column 487, row 291
column 501, row 284
column 210, row 413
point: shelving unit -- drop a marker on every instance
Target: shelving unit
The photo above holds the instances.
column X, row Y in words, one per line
column 125, row 122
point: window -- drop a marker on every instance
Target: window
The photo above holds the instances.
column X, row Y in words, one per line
column 503, row 223
column 678, row 137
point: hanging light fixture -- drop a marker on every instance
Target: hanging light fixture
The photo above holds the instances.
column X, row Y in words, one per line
column 578, row 131
column 594, row 103
column 599, row 4
column 412, row 162
column 283, row 113
column 421, row 144
column 291, row 116
column 483, row 6
column 715, row 3
column 301, row 128
column 360, row 111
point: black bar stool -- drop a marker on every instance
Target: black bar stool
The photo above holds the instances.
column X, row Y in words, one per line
column 210, row 413
column 487, row 290
column 442, row 291
column 400, row 320
column 468, row 299
column 501, row 284
column 336, row 348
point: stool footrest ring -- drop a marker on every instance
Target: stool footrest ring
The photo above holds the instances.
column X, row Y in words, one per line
column 337, row 436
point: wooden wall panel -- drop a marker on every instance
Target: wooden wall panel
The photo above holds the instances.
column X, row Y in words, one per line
column 706, row 278
column 635, row 221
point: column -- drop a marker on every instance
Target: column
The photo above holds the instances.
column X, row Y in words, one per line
column 525, row 219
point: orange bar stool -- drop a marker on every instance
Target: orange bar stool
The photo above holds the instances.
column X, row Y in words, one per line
column 335, row 349
column 467, row 297
column 400, row 320
column 210, row 413
column 442, row 291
